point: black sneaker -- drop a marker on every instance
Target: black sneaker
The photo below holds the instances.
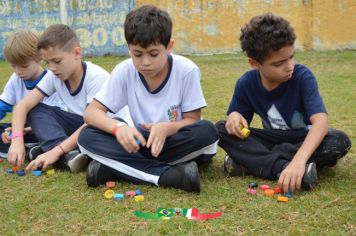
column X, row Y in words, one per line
column 98, row 174
column 233, row 169
column 182, row 176
column 76, row 161
column 34, row 153
column 309, row 180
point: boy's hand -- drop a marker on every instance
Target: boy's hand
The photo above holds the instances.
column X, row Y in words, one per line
column 16, row 153
column 130, row 139
column 158, row 135
column 291, row 177
column 45, row 159
column 233, row 124
column 6, row 135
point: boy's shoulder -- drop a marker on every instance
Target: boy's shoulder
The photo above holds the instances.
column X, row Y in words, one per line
column 94, row 69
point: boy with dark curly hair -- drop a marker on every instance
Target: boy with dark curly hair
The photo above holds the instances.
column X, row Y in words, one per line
column 296, row 138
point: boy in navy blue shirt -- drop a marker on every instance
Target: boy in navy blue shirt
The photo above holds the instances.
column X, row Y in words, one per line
column 295, row 139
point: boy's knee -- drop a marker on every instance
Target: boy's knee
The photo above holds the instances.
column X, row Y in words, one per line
column 208, row 129
column 339, row 141
column 85, row 135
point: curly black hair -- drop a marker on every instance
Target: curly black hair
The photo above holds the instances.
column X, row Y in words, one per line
column 148, row 25
column 265, row 34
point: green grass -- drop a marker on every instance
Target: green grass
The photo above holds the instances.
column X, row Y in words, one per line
column 62, row 204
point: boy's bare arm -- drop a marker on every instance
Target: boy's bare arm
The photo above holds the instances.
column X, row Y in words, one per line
column 96, row 116
column 293, row 174
column 55, row 153
column 160, row 131
column 17, row 150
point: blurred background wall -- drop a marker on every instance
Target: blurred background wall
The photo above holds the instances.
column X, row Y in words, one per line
column 199, row 26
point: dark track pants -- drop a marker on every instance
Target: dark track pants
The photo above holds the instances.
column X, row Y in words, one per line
column 196, row 142
column 265, row 151
column 51, row 125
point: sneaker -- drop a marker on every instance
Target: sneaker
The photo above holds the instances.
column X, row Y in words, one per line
column 34, row 153
column 98, row 174
column 309, row 180
column 182, row 176
column 76, row 161
column 233, row 169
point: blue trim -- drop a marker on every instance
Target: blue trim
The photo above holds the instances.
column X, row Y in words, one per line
column 84, row 65
column 170, row 65
column 4, row 109
column 42, row 91
column 31, row 84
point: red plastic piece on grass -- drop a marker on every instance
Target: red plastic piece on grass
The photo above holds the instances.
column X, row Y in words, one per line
column 111, row 184
column 263, row 187
column 278, row 189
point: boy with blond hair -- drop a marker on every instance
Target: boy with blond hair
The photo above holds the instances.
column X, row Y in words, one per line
column 76, row 82
column 21, row 53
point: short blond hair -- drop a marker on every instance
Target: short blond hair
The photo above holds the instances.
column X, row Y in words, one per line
column 21, row 47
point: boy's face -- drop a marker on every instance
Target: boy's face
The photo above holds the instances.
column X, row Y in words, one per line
column 62, row 63
column 28, row 71
column 150, row 61
column 278, row 67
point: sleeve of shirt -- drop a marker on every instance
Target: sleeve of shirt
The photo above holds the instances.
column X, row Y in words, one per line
column 4, row 109
column 239, row 101
column 9, row 93
column 113, row 94
column 47, row 84
column 193, row 97
column 312, row 101
column 95, row 85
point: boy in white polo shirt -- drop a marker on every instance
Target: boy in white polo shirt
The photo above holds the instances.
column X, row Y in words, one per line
column 76, row 82
column 164, row 96
column 21, row 53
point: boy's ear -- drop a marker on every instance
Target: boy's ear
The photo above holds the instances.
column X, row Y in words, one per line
column 170, row 46
column 254, row 64
column 78, row 52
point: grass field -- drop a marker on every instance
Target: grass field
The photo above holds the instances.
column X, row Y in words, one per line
column 62, row 204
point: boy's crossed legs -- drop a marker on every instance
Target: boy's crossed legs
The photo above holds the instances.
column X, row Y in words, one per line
column 173, row 168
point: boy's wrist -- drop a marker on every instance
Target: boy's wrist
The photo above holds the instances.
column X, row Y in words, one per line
column 17, row 134
column 117, row 127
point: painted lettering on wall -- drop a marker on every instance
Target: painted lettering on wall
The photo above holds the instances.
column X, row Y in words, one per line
column 98, row 23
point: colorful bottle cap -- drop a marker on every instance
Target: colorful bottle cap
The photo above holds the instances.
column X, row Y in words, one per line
column 282, row 199
column 139, row 198
column 289, row 194
column 245, row 132
column 20, row 172
column 118, row 196
column 269, row 192
column 15, row 168
column 1, row 159
column 37, row 172
column 50, row 171
column 252, row 185
column 278, row 189
column 138, row 192
column 109, row 194
column 251, row 191
column 130, row 193
column 263, row 187
column 9, row 171
column 111, row 184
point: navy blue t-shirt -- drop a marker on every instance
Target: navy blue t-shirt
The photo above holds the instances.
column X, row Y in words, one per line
column 289, row 106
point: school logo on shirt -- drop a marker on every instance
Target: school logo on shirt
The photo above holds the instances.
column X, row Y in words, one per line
column 173, row 113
